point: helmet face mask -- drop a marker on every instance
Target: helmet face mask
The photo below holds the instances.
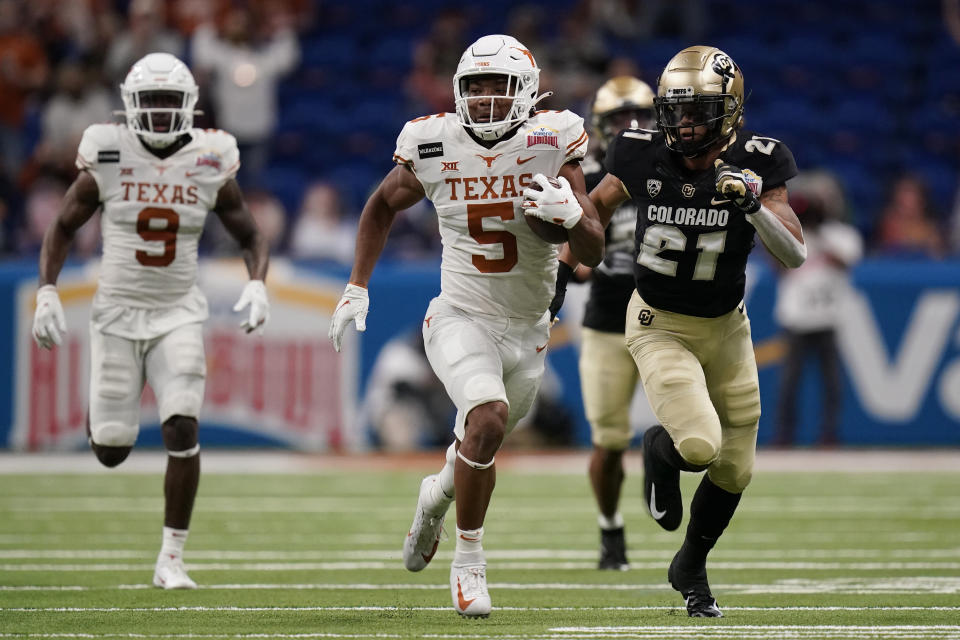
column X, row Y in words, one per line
column 699, row 100
column 495, row 86
column 159, row 95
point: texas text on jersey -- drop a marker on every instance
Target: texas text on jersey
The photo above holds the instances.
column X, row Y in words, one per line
column 692, row 243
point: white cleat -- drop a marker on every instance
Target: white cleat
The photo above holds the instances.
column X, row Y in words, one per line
column 171, row 574
column 468, row 587
column 421, row 542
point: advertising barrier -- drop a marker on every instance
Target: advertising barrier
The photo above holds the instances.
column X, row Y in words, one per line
column 899, row 342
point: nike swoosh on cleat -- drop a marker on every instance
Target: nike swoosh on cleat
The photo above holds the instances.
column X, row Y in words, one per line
column 461, row 601
column 427, row 557
column 653, row 504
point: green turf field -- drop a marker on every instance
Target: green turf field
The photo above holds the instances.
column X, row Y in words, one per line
column 864, row 555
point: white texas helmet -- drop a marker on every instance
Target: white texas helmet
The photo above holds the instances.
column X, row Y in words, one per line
column 498, row 55
column 154, row 73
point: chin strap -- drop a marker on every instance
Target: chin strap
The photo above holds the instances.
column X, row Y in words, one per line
column 542, row 96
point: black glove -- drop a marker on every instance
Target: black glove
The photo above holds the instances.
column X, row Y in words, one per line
column 731, row 184
column 564, row 273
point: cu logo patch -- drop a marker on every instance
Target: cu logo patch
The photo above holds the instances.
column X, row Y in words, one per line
column 646, row 317
column 688, row 190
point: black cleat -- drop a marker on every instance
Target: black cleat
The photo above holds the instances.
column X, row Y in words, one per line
column 613, row 550
column 661, row 485
column 695, row 591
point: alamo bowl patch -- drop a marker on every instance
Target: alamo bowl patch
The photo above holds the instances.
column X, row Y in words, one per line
column 209, row 159
column 543, row 136
column 754, row 181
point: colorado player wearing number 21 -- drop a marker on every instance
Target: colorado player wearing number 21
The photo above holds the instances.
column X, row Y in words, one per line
column 486, row 334
column 704, row 188
column 156, row 178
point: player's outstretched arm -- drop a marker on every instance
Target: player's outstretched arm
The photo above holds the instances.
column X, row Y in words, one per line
column 585, row 239
column 232, row 211
column 605, row 197
column 79, row 204
column 770, row 214
column 239, row 223
column 398, row 191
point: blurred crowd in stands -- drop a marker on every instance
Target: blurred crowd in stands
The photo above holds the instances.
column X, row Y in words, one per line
column 316, row 92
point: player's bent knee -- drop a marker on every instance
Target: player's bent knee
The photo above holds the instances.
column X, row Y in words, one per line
column 697, row 451
column 110, row 456
column 731, row 479
column 486, row 428
column 180, row 434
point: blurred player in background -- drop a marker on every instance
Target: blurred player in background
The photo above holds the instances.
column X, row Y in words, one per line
column 703, row 189
column 486, row 333
column 808, row 305
column 156, row 178
column 608, row 375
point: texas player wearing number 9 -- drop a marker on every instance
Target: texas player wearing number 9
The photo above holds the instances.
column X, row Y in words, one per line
column 485, row 335
column 704, row 188
column 156, row 178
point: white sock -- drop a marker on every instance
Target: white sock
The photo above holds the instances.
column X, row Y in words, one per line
column 173, row 542
column 616, row 522
column 469, row 541
column 446, row 474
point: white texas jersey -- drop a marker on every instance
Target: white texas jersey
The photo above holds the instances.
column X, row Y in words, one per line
column 153, row 214
column 492, row 262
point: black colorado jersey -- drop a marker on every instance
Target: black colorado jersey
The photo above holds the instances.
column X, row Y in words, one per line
column 611, row 284
column 691, row 243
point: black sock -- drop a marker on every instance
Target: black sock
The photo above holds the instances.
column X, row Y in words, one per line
column 710, row 513
column 663, row 447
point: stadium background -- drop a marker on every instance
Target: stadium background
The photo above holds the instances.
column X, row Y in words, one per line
column 869, row 91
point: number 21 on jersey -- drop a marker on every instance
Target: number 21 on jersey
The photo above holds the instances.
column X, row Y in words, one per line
column 663, row 237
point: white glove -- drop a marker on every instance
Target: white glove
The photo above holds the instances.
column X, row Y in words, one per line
column 254, row 295
column 353, row 305
column 555, row 203
column 49, row 323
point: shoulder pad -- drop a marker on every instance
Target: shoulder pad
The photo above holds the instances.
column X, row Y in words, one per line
column 100, row 143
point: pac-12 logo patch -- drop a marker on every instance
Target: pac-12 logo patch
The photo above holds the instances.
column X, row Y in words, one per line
column 653, row 187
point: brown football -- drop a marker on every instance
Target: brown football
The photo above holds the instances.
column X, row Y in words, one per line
column 547, row 231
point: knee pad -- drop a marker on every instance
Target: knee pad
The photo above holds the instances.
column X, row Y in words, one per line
column 180, row 436
column 697, row 451
column 110, row 456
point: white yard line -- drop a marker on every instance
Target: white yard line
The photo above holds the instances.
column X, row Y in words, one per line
column 571, row 461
